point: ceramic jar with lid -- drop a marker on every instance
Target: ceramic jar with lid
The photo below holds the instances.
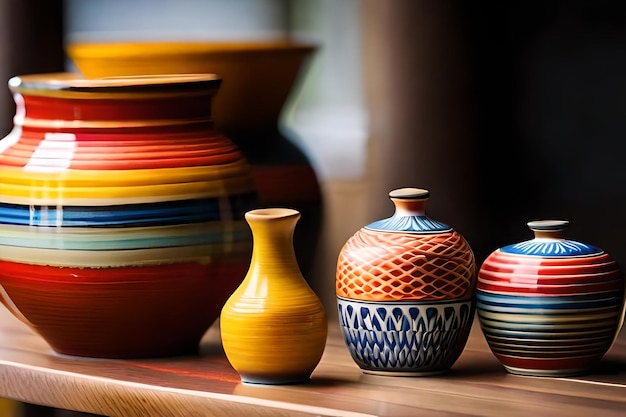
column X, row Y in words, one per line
column 550, row 306
column 405, row 291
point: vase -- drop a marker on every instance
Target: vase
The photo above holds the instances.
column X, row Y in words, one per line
column 405, row 291
column 121, row 213
column 273, row 326
column 258, row 79
column 550, row 306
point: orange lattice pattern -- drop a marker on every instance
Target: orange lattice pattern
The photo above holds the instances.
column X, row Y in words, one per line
column 402, row 266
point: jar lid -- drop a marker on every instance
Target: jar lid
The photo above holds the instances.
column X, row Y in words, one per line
column 549, row 242
column 410, row 215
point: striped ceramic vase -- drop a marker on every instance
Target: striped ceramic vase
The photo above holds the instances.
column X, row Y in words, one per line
column 121, row 213
column 405, row 291
column 550, row 306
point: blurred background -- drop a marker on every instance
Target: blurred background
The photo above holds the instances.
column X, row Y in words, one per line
column 507, row 112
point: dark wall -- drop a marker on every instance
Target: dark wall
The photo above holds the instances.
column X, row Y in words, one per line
column 549, row 107
column 31, row 41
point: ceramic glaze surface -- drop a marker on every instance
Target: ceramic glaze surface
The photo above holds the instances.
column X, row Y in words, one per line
column 395, row 278
column 121, row 213
column 273, row 327
column 405, row 338
column 550, row 306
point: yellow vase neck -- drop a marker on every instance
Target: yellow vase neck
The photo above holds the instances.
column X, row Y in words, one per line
column 272, row 231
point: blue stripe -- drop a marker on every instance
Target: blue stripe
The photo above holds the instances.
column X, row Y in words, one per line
column 583, row 301
column 127, row 215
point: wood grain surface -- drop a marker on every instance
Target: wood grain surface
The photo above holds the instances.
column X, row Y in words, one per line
column 206, row 384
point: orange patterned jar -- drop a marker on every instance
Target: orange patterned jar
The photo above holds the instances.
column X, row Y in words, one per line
column 405, row 291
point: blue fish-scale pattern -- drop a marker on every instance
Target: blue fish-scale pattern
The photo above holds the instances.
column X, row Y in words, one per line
column 405, row 337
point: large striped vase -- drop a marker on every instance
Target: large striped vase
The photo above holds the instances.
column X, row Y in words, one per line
column 405, row 291
column 121, row 213
column 550, row 306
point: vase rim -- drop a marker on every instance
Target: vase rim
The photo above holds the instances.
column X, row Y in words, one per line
column 410, row 193
column 123, row 49
column 271, row 213
column 548, row 225
column 69, row 81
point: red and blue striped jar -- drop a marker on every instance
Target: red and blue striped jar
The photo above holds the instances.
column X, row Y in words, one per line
column 121, row 213
column 550, row 306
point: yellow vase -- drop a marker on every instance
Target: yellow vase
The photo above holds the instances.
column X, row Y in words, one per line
column 273, row 326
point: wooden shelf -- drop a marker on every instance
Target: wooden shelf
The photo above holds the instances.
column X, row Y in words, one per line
column 206, row 385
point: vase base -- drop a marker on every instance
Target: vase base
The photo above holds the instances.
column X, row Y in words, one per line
column 404, row 373
column 275, row 381
column 549, row 373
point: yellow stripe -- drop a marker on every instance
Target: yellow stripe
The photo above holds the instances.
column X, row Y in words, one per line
column 122, row 177
column 96, row 196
